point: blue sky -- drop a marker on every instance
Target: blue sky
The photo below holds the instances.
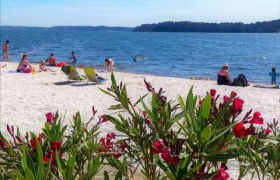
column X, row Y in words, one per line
column 131, row 13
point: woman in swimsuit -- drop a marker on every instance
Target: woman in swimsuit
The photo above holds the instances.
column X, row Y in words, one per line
column 24, row 66
column 223, row 76
column 109, row 63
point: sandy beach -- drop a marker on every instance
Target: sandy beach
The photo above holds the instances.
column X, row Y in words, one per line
column 26, row 98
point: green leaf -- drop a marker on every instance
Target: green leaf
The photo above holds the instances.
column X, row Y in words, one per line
column 206, row 107
column 186, row 163
column 118, row 176
column 106, row 92
column 170, row 175
column 222, row 113
column 29, row 175
column 139, row 100
column 106, row 176
column 205, row 135
column 40, row 172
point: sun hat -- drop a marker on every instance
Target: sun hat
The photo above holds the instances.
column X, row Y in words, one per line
column 226, row 64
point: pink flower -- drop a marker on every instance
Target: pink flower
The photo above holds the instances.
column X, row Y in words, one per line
column 144, row 113
column 201, row 101
column 158, row 147
column 268, row 131
column 222, row 175
column 237, row 104
column 239, row 130
column 103, row 119
column 256, row 118
column 123, row 145
column 111, row 136
column 3, row 144
column 117, row 154
column 234, row 94
column 50, row 117
column 167, row 157
column 46, row 159
column 33, row 142
column 213, row 92
column 56, row 145
column 148, row 121
column 226, row 98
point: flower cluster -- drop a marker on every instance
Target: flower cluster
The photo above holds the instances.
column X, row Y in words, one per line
column 166, row 153
column 109, row 146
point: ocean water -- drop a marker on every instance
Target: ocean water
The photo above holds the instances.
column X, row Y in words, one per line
column 166, row 54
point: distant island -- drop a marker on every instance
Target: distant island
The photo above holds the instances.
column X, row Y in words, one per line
column 188, row 26
column 70, row 28
column 170, row 26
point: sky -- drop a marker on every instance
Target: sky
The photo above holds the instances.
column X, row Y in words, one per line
column 131, row 13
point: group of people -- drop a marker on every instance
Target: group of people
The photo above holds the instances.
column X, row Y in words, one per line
column 224, row 77
column 26, row 67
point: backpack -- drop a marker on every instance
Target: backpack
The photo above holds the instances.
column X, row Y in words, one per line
column 241, row 81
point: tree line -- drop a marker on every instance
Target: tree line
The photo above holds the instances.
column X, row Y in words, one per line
column 188, row 26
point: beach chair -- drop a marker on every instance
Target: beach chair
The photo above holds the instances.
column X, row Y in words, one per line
column 91, row 76
column 72, row 73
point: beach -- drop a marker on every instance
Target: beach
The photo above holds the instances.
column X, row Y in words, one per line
column 26, row 98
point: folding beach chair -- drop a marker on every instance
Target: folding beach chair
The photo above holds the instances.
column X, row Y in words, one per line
column 72, row 73
column 91, row 76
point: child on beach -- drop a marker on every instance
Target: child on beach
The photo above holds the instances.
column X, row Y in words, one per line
column 273, row 76
column 109, row 63
column 73, row 56
column 43, row 67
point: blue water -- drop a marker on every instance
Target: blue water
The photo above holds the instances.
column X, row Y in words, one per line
column 166, row 54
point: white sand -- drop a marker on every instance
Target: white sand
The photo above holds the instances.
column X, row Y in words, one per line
column 26, row 98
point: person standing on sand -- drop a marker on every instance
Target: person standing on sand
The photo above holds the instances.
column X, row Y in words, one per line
column 223, row 76
column 5, row 49
column 73, row 56
column 109, row 64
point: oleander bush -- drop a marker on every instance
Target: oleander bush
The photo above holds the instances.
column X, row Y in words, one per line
column 193, row 139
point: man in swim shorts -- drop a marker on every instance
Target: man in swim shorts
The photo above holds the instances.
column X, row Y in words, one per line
column 5, row 50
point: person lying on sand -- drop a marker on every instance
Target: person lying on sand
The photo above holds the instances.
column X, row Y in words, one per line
column 24, row 66
column 43, row 67
column 223, row 76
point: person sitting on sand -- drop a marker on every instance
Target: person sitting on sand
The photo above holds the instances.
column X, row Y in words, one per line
column 109, row 64
column 273, row 76
column 52, row 60
column 223, row 76
column 43, row 67
column 73, row 56
column 24, row 66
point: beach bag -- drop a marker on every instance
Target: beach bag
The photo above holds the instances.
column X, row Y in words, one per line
column 241, row 80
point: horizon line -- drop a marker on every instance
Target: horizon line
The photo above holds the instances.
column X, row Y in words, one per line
column 128, row 26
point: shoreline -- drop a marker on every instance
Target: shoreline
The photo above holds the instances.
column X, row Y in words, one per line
column 252, row 83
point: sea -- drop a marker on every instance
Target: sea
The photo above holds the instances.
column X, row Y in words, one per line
column 182, row 55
